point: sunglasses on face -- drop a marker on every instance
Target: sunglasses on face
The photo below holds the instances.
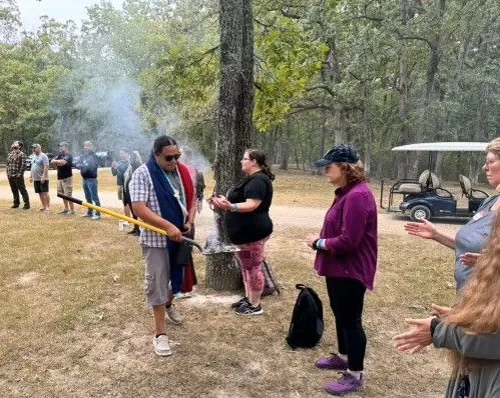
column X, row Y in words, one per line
column 170, row 158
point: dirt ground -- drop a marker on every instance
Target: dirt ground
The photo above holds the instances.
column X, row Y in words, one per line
column 80, row 328
column 290, row 216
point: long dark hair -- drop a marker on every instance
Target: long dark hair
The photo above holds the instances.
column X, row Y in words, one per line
column 260, row 159
column 163, row 141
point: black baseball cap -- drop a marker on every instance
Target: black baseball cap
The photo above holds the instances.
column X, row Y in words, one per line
column 338, row 154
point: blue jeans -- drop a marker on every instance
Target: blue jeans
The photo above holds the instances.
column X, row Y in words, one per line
column 91, row 196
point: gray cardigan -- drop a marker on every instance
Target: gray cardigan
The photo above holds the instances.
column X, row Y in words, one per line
column 485, row 378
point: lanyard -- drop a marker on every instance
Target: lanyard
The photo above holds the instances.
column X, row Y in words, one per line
column 179, row 194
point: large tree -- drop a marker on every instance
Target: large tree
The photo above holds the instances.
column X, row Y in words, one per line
column 235, row 126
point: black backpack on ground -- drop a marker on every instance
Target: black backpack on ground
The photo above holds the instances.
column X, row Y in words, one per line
column 306, row 326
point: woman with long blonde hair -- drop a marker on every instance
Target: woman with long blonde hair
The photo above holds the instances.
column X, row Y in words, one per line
column 470, row 330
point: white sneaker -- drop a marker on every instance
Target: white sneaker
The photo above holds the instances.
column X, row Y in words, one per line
column 173, row 315
column 181, row 295
column 96, row 218
column 161, row 345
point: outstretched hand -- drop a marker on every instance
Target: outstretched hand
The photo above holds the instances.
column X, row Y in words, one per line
column 221, row 202
column 442, row 311
column 417, row 338
column 424, row 229
column 469, row 259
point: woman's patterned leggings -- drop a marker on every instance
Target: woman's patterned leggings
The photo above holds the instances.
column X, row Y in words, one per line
column 251, row 256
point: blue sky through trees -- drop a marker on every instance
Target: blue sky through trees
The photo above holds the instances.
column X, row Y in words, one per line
column 61, row 10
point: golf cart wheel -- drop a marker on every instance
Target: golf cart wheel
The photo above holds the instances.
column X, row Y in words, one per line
column 419, row 213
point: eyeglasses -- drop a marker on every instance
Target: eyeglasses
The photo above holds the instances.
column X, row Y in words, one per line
column 246, row 159
column 170, row 158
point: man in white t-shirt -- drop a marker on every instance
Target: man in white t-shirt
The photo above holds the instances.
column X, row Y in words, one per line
column 40, row 176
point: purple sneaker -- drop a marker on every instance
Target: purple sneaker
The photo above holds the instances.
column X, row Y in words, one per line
column 346, row 384
column 333, row 363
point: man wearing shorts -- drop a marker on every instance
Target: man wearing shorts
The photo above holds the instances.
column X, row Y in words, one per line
column 40, row 176
column 162, row 195
column 64, row 164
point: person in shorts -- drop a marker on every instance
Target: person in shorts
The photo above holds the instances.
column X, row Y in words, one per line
column 64, row 164
column 162, row 195
column 40, row 176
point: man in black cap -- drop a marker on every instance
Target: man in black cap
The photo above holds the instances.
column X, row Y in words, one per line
column 16, row 164
column 64, row 164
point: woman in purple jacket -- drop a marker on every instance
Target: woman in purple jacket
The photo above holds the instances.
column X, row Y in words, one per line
column 347, row 257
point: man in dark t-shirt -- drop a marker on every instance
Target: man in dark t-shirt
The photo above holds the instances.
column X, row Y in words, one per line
column 64, row 163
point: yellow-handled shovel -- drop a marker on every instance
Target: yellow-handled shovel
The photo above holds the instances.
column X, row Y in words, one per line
column 125, row 218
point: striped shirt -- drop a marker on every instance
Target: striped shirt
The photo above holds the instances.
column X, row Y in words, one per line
column 142, row 190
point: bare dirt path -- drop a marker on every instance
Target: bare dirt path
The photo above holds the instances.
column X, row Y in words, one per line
column 284, row 216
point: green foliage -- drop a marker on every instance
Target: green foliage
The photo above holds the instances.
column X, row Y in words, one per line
column 287, row 63
column 373, row 73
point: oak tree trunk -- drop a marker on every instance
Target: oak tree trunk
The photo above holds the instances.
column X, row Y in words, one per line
column 235, row 126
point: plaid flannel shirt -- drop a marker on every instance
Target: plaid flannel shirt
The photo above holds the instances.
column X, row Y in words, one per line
column 16, row 167
column 142, row 190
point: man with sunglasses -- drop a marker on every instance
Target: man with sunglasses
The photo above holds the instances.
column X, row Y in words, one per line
column 162, row 194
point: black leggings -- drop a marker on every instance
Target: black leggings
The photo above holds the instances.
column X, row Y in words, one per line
column 346, row 300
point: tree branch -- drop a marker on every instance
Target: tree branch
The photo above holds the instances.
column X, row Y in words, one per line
column 210, row 51
column 429, row 43
column 325, row 87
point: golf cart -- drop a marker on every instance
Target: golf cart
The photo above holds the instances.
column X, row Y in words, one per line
column 424, row 198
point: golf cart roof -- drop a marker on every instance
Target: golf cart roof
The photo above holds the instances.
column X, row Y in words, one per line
column 444, row 146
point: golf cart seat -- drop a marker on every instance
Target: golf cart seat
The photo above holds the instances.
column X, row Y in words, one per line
column 468, row 191
column 426, row 180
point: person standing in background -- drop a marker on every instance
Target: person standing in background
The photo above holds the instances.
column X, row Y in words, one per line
column 118, row 169
column 184, row 278
column 64, row 164
column 40, row 176
column 88, row 165
column 16, row 164
column 135, row 162
column 196, row 176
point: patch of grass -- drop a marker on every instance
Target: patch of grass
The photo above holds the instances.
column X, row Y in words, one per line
column 73, row 320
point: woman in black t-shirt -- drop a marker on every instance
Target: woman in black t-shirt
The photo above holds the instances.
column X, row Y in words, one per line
column 249, row 226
